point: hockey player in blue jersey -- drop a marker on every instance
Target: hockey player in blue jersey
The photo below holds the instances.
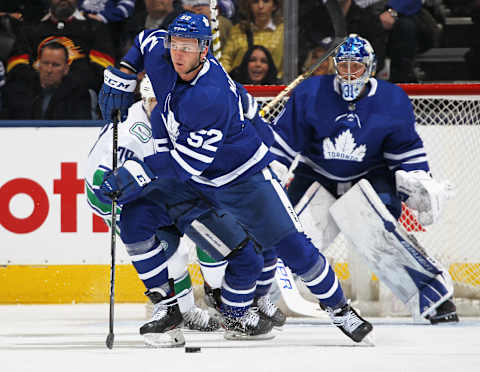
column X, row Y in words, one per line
column 204, row 140
column 151, row 239
column 348, row 127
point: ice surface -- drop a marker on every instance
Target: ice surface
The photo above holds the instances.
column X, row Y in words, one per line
column 70, row 338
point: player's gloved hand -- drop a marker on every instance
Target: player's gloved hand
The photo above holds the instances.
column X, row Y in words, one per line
column 127, row 182
column 422, row 193
column 117, row 93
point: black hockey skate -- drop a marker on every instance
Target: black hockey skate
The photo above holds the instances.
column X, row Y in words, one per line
column 445, row 313
column 350, row 323
column 267, row 309
column 249, row 326
column 163, row 330
column 199, row 320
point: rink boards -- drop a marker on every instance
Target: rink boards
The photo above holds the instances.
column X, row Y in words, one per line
column 53, row 249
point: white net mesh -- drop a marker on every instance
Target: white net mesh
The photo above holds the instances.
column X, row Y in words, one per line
column 450, row 128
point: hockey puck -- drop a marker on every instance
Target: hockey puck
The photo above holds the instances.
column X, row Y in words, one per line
column 192, row 349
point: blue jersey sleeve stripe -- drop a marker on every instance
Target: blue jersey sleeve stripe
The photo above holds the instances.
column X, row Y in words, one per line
column 416, row 152
column 237, row 172
column 123, row 10
column 183, row 164
column 404, row 164
column 195, row 155
column 420, row 159
column 284, row 145
column 278, row 152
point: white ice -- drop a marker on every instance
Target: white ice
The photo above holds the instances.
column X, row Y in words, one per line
column 70, row 338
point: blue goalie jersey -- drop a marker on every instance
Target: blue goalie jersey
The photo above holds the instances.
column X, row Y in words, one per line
column 344, row 141
column 199, row 127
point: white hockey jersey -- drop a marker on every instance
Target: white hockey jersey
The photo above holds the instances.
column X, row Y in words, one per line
column 134, row 140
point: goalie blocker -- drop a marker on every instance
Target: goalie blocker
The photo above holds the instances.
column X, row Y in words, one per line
column 396, row 257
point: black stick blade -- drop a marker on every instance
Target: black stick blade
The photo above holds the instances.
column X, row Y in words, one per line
column 109, row 341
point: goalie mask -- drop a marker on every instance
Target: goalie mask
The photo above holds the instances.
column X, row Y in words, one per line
column 192, row 26
column 148, row 95
column 355, row 63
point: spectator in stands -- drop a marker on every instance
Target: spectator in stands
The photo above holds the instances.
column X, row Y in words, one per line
column 203, row 7
column 264, row 26
column 107, row 11
column 28, row 11
column 54, row 95
column 411, row 29
column 157, row 14
column 228, row 8
column 257, row 68
column 13, row 15
column 316, row 24
column 9, row 25
column 313, row 55
column 89, row 48
column 112, row 12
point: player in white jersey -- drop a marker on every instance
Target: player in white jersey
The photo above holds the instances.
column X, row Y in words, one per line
column 348, row 127
column 205, row 141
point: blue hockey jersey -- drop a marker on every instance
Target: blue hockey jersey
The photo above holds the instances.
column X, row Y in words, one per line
column 343, row 141
column 199, row 127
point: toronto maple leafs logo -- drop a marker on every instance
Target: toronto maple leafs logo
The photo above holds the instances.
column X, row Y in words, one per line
column 171, row 124
column 344, row 148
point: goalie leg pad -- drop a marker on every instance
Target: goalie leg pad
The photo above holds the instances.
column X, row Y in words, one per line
column 312, row 210
column 394, row 256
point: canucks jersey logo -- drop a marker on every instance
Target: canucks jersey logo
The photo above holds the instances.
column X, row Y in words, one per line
column 344, row 148
column 141, row 131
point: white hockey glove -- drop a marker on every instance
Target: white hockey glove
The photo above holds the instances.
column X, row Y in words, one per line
column 422, row 193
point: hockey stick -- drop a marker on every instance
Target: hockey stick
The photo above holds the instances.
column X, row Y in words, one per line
column 113, row 227
column 216, row 45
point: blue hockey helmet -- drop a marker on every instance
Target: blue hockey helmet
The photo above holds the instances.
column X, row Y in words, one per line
column 355, row 63
column 190, row 25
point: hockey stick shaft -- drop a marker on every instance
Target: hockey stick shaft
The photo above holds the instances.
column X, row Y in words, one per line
column 216, row 45
column 113, row 236
column 266, row 109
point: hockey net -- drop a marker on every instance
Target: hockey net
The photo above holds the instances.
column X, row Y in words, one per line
column 448, row 120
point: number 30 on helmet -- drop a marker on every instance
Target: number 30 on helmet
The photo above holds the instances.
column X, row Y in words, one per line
column 355, row 63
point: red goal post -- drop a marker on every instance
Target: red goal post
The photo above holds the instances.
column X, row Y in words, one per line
column 448, row 120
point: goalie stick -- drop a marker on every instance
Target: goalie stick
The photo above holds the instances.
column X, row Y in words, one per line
column 113, row 228
column 286, row 91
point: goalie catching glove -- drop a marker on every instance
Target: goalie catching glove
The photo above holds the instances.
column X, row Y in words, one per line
column 127, row 182
column 422, row 193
